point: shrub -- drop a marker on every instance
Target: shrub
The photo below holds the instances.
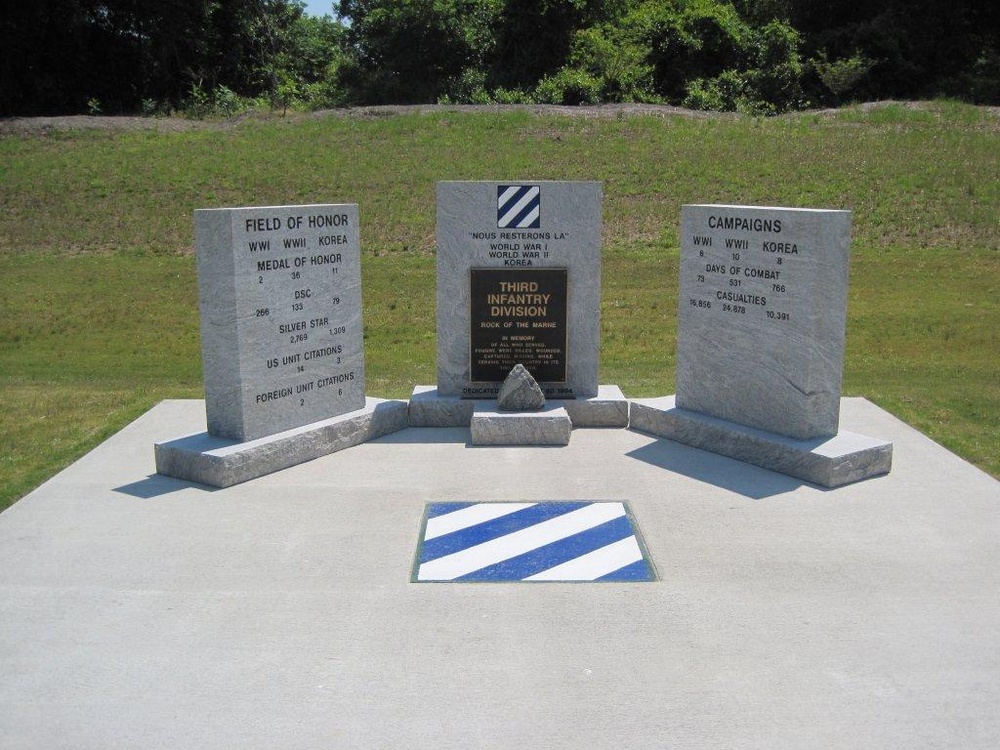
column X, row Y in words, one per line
column 616, row 58
column 840, row 76
column 219, row 102
column 512, row 96
column 467, row 88
column 569, row 86
column 730, row 91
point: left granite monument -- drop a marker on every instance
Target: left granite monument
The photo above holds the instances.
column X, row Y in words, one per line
column 282, row 345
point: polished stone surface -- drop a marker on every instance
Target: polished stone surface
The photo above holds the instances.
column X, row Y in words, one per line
column 280, row 305
column 762, row 311
column 568, row 236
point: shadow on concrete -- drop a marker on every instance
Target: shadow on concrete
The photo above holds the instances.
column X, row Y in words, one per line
column 470, row 444
column 157, row 485
column 426, row 436
column 728, row 473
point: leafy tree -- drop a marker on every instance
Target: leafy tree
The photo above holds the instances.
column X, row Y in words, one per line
column 535, row 37
column 119, row 55
column 412, row 51
column 913, row 48
column 755, row 55
column 617, row 59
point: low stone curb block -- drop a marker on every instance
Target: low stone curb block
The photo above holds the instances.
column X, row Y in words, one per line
column 551, row 426
column 828, row 462
column 430, row 409
column 609, row 408
column 221, row 462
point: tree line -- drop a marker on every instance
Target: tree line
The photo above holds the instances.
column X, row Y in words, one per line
column 757, row 56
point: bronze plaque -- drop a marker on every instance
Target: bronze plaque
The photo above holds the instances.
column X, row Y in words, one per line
column 518, row 316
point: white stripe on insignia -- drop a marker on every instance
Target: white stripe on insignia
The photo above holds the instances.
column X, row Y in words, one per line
column 594, row 564
column 519, row 206
column 503, row 548
column 528, row 220
column 466, row 517
column 507, row 195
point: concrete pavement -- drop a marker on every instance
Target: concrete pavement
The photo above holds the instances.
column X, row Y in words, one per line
column 138, row 611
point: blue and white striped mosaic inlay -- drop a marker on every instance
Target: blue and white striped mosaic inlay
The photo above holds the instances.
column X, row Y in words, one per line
column 549, row 541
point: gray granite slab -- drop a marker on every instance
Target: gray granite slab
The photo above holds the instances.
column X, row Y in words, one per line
column 428, row 408
column 763, row 299
column 280, row 305
column 829, row 462
column 222, row 462
column 609, row 408
column 475, row 233
column 550, row 426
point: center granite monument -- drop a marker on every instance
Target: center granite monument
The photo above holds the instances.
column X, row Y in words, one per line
column 518, row 282
column 760, row 344
column 282, row 345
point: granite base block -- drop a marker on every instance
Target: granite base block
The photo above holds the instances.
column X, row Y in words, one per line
column 550, row 426
column 221, row 462
column 430, row 409
column 609, row 408
column 828, row 462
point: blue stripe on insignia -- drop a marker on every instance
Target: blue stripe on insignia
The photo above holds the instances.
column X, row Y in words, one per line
column 531, row 541
column 439, row 509
column 519, row 206
column 522, row 221
column 484, row 532
column 637, row 571
column 553, row 554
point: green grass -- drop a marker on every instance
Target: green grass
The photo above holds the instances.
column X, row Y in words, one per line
column 99, row 293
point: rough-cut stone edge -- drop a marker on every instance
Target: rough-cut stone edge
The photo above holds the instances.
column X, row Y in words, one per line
column 520, row 391
column 489, row 426
column 609, row 408
column 829, row 462
column 428, row 408
column 221, row 462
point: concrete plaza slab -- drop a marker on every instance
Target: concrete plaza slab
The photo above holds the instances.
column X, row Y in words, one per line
column 138, row 611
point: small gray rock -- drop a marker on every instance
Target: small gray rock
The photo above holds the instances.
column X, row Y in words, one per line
column 520, row 392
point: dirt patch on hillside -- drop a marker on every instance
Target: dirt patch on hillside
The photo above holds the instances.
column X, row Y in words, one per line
column 45, row 125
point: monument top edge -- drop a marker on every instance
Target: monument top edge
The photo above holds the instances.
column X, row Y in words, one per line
column 520, row 181
column 276, row 208
column 743, row 207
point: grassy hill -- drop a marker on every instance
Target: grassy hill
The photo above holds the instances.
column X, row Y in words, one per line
column 99, row 294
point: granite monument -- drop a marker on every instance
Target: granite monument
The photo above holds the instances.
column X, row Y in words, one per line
column 518, row 282
column 282, row 345
column 760, row 343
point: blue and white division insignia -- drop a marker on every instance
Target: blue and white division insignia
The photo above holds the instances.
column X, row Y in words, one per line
column 519, row 206
column 552, row 541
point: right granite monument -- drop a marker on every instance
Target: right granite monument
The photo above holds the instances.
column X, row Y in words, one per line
column 760, row 344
